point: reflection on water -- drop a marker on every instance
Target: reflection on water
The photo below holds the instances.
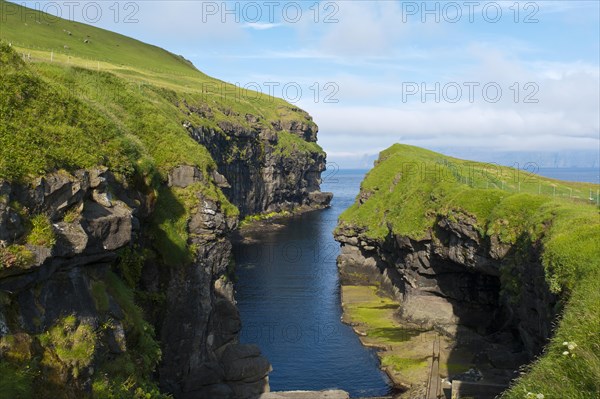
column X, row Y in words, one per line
column 288, row 296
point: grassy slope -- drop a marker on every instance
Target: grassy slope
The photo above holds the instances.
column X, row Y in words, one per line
column 407, row 200
column 400, row 349
column 134, row 87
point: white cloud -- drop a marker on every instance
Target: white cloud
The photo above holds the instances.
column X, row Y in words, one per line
column 567, row 115
column 366, row 29
column 261, row 25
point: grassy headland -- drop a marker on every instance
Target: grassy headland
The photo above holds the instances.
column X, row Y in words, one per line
column 410, row 188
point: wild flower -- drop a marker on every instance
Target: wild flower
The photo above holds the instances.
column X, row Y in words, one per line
column 571, row 346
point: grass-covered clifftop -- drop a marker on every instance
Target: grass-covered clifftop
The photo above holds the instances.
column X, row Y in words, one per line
column 410, row 188
column 103, row 98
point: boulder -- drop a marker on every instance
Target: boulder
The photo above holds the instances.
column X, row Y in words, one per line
column 320, row 199
column 220, row 180
column 183, row 176
column 244, row 363
column 109, row 228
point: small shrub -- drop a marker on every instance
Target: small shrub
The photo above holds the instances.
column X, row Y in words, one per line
column 130, row 388
column 17, row 256
column 71, row 215
column 130, row 264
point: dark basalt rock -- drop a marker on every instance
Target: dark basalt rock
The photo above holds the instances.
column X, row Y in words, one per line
column 320, row 199
column 199, row 322
column 258, row 177
column 454, row 280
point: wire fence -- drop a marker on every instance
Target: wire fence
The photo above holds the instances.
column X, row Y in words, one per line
column 491, row 176
column 34, row 53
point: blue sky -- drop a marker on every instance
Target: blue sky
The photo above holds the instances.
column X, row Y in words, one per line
column 374, row 60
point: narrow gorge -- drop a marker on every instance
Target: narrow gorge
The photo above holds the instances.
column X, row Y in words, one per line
column 164, row 233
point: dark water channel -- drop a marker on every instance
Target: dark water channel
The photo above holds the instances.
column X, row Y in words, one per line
column 288, row 296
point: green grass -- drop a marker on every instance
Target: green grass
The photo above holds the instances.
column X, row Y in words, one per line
column 130, row 264
column 170, row 219
column 135, row 63
column 44, row 130
column 141, row 343
column 120, row 103
column 428, row 184
column 129, row 374
column 411, row 188
column 73, row 343
column 563, row 376
column 126, row 111
column 403, row 351
column 22, row 27
column 250, row 219
column 41, row 233
column 289, row 144
column 402, row 364
column 16, row 382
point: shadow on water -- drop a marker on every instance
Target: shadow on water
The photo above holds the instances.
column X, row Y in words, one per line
column 289, row 299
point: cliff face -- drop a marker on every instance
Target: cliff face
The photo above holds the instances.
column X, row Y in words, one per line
column 457, row 282
column 199, row 330
column 67, row 313
column 141, row 275
column 269, row 166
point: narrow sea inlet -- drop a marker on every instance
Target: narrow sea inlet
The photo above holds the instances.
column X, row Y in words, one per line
column 288, row 295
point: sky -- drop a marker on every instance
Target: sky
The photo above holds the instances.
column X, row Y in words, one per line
column 463, row 76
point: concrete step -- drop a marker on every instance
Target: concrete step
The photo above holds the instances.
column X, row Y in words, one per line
column 329, row 394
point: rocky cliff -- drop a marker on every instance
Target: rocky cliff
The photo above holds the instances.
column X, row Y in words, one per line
column 115, row 261
column 491, row 269
column 68, row 307
column 452, row 281
column 270, row 166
